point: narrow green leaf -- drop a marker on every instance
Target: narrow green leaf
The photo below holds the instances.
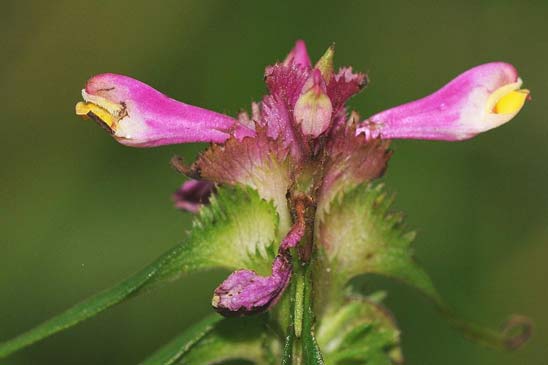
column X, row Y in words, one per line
column 231, row 339
column 182, row 344
column 90, row 307
column 236, row 230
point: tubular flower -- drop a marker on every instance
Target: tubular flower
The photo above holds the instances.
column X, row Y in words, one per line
column 138, row 115
column 301, row 150
column 479, row 99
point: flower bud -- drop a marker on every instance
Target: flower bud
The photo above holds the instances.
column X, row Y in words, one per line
column 313, row 108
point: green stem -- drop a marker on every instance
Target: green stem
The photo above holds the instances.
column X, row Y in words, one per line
column 304, row 350
column 289, row 344
column 299, row 302
column 300, row 347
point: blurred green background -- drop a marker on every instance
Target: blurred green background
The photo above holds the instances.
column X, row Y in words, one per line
column 80, row 212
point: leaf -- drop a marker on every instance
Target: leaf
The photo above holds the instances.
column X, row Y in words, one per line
column 216, row 339
column 236, row 230
column 231, row 339
column 182, row 344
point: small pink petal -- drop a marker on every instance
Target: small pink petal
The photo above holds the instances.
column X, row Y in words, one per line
column 298, row 56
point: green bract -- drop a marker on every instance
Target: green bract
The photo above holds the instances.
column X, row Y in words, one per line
column 359, row 236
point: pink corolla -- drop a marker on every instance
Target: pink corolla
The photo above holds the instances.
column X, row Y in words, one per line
column 299, row 147
column 140, row 116
column 479, row 99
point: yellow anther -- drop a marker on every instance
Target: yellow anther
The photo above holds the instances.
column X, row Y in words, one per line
column 83, row 109
column 511, row 102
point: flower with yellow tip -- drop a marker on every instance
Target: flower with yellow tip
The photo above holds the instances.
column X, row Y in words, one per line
column 478, row 100
column 140, row 116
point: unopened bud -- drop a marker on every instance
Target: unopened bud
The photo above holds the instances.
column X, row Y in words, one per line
column 313, row 108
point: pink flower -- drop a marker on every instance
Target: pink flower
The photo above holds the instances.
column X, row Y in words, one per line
column 479, row 99
column 138, row 115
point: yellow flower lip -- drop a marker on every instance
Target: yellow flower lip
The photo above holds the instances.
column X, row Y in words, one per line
column 508, row 99
column 511, row 102
column 97, row 114
column 102, row 111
